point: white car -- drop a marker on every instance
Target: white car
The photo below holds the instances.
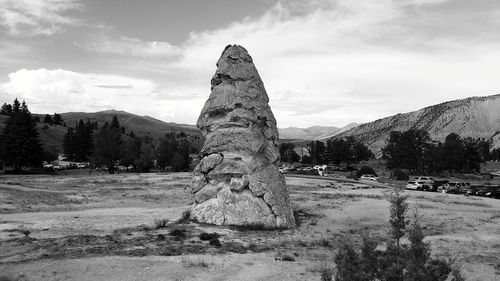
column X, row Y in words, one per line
column 414, row 185
column 425, row 180
column 369, row 177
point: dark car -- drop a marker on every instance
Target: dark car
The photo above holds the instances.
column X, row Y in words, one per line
column 470, row 189
column 454, row 187
column 489, row 191
column 435, row 185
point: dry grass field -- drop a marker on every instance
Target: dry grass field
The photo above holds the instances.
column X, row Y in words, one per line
column 102, row 227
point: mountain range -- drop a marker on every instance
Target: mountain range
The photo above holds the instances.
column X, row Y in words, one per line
column 477, row 117
column 313, row 133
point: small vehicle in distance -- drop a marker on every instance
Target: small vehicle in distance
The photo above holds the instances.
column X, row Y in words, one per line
column 369, row 177
column 454, row 187
column 414, row 185
column 328, row 171
column 436, row 185
column 427, row 182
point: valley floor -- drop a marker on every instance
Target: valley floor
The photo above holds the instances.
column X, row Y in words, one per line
column 101, row 227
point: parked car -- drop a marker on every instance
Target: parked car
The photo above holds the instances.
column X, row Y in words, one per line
column 489, row 191
column 436, row 185
column 369, row 177
column 428, row 181
column 414, row 185
column 454, row 187
column 328, row 171
column 470, row 189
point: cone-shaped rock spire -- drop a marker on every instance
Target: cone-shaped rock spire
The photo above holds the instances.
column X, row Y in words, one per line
column 237, row 182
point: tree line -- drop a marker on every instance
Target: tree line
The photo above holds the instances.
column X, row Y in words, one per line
column 336, row 151
column 415, row 151
column 108, row 145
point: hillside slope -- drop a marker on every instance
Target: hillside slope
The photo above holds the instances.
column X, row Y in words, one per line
column 52, row 135
column 477, row 117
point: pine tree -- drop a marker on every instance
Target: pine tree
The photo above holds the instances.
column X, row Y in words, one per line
column 48, row 119
column 115, row 123
column 69, row 144
column 20, row 145
column 57, row 119
column 6, row 109
column 107, row 147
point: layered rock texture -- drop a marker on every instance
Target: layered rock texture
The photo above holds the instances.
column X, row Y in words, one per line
column 237, row 182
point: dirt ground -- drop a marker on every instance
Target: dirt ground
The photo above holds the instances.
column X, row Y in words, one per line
column 102, row 227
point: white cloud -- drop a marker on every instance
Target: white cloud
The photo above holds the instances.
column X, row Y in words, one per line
column 59, row 90
column 323, row 62
column 37, row 17
column 335, row 62
column 133, row 47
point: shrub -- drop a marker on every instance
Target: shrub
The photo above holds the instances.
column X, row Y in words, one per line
column 326, row 274
column 178, row 233
column 185, row 218
column 400, row 175
column 215, row 241
column 208, row 236
column 287, row 258
column 365, row 170
column 160, row 223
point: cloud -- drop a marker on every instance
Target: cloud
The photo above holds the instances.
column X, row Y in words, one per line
column 128, row 46
column 356, row 60
column 323, row 62
column 37, row 17
column 59, row 90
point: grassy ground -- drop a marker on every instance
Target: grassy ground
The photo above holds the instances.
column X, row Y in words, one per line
column 102, row 227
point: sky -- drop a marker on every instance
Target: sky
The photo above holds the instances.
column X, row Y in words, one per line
column 323, row 62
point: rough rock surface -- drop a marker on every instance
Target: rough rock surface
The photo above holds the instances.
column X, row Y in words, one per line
column 237, row 182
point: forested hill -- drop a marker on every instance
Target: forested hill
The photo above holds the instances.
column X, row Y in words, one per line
column 52, row 135
column 477, row 117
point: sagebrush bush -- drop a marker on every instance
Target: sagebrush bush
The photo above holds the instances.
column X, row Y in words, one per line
column 160, row 223
column 215, row 242
column 208, row 236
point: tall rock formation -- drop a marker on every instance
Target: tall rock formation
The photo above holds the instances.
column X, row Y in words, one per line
column 237, row 182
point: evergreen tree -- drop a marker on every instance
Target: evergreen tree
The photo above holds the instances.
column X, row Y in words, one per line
column 130, row 151
column 145, row 162
column 107, row 147
column 20, row 145
column 114, row 123
column 69, row 144
column 166, row 151
column 287, row 153
column 408, row 150
column 57, row 119
column 6, row 109
column 453, row 152
column 48, row 119
column 78, row 143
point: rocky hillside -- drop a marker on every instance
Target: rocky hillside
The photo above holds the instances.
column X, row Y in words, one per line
column 470, row 117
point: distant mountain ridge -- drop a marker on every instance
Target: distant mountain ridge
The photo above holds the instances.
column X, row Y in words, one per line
column 477, row 117
column 312, row 133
